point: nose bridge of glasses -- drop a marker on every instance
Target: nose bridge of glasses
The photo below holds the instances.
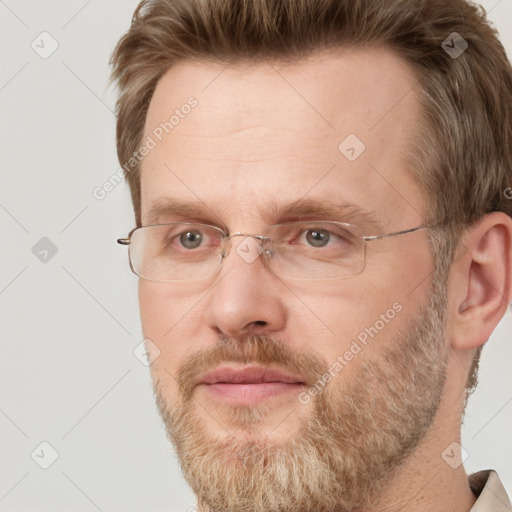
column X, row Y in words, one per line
column 227, row 241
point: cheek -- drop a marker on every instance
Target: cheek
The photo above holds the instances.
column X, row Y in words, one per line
column 158, row 315
column 357, row 317
column 170, row 320
column 347, row 306
column 153, row 311
column 163, row 305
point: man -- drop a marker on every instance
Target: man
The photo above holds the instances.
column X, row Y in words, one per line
column 323, row 239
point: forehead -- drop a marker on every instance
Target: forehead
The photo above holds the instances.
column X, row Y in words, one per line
column 282, row 131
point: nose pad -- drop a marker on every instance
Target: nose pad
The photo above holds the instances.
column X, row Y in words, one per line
column 268, row 254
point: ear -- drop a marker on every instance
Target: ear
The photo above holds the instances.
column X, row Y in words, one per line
column 481, row 281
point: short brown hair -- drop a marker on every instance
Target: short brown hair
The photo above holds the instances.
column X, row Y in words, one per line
column 462, row 154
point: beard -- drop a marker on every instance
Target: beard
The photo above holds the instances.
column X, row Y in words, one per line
column 356, row 435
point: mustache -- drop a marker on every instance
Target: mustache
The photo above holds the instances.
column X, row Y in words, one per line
column 257, row 349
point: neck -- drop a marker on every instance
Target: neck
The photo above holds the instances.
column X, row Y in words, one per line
column 425, row 483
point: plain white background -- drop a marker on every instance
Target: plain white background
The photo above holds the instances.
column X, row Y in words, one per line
column 69, row 325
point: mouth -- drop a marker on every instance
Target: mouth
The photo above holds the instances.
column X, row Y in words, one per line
column 250, row 385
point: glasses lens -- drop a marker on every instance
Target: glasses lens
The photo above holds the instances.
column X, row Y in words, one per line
column 297, row 250
column 316, row 250
column 175, row 252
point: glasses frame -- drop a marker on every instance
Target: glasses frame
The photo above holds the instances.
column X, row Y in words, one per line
column 226, row 246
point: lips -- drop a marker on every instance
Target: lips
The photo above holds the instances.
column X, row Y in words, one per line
column 251, row 375
column 249, row 386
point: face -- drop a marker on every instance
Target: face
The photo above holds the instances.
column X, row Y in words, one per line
column 264, row 382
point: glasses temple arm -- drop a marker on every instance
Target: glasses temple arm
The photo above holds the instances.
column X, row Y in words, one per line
column 403, row 232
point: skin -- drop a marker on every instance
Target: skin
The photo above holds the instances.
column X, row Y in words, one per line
column 271, row 132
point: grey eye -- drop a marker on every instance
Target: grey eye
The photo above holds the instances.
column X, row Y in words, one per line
column 191, row 239
column 318, row 238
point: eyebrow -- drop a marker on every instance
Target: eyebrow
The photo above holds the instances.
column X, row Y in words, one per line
column 169, row 209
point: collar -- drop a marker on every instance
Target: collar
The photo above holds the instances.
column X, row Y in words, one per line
column 490, row 493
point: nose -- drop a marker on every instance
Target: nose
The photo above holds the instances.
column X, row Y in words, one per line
column 246, row 296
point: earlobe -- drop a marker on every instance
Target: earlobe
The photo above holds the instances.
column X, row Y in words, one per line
column 482, row 282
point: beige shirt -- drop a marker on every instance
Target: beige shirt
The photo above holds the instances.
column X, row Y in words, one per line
column 490, row 493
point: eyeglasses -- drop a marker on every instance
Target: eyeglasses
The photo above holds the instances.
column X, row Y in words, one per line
column 309, row 250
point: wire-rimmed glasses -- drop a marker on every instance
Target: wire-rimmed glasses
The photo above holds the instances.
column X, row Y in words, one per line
column 305, row 250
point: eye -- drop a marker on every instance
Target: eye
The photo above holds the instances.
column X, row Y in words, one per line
column 318, row 237
column 191, row 239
